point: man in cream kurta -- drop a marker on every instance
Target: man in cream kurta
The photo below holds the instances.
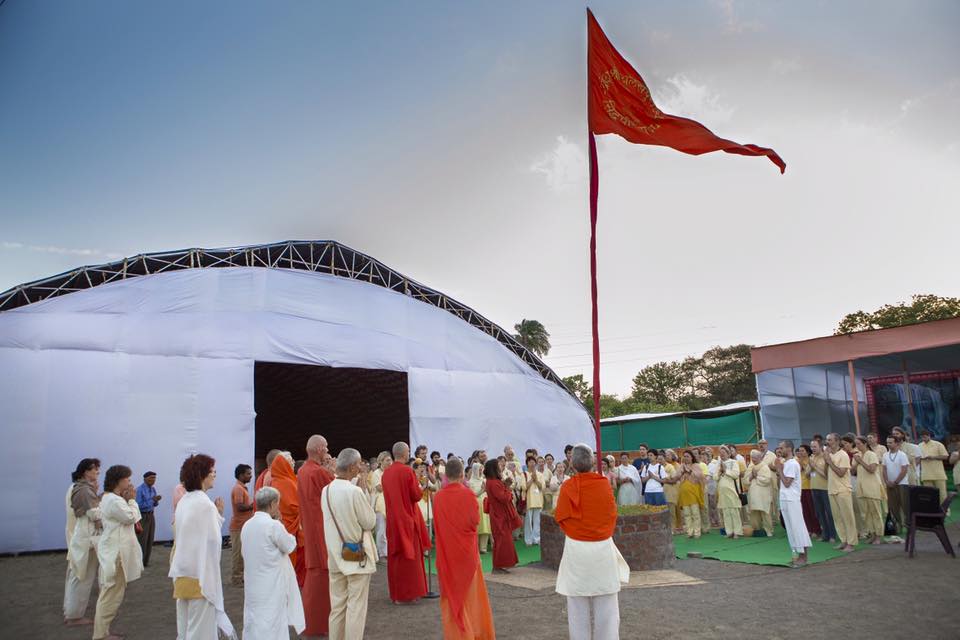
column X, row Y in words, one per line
column 348, row 518
column 591, row 568
column 760, row 492
column 932, row 456
column 271, row 599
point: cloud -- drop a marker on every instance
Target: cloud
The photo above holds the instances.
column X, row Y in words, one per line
column 732, row 22
column 683, row 97
column 785, row 66
column 63, row 251
column 563, row 168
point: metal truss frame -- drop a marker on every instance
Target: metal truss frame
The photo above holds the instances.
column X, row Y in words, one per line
column 327, row 257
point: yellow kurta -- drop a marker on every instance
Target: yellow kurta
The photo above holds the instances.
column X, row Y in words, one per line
column 760, row 492
column 671, row 491
column 818, row 473
column 932, row 469
column 534, row 490
column 839, row 484
column 869, row 484
column 727, row 495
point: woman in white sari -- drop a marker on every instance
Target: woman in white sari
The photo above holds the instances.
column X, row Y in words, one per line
column 628, row 478
column 195, row 565
column 83, row 506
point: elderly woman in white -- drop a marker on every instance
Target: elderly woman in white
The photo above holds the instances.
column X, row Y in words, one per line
column 119, row 554
column 271, row 599
column 197, row 544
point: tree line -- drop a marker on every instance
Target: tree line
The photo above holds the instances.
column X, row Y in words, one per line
column 721, row 375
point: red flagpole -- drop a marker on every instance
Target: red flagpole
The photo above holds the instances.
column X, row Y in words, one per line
column 594, row 191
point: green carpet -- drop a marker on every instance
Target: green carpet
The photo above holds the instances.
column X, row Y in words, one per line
column 769, row 551
column 525, row 555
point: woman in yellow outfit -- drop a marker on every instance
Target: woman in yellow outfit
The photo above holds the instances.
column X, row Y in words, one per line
column 671, row 488
column 869, row 493
column 690, row 495
column 728, row 498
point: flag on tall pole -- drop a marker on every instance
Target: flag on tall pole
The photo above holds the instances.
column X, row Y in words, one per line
column 619, row 102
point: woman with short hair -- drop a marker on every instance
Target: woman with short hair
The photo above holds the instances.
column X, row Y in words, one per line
column 195, row 561
column 119, row 554
column 727, row 475
column 83, row 531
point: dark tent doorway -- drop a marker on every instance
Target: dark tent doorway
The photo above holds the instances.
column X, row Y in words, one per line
column 367, row 409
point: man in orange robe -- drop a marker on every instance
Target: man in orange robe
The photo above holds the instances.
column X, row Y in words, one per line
column 263, row 480
column 464, row 605
column 591, row 568
column 407, row 537
column 311, row 479
column 283, row 480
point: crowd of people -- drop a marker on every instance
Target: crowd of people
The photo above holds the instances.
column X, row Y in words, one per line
column 306, row 543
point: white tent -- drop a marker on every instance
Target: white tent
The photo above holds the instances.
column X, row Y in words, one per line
column 148, row 360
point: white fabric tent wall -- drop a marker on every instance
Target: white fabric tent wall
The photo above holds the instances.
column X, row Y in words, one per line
column 146, row 371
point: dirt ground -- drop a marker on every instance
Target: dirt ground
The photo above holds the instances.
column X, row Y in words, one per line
column 879, row 592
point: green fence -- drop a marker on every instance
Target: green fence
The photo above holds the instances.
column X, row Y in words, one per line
column 680, row 431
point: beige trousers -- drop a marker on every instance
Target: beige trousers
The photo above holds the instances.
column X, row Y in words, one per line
column 731, row 521
column 236, row 560
column 872, row 513
column 761, row 520
column 941, row 485
column 348, row 605
column 691, row 520
column 108, row 603
column 841, row 505
column 76, row 592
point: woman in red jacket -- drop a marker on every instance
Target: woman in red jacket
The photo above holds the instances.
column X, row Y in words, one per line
column 503, row 517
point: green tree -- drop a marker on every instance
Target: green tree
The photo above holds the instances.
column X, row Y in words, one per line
column 533, row 335
column 728, row 375
column 922, row 308
column 580, row 388
column 660, row 384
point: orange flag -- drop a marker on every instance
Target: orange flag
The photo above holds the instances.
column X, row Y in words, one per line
column 620, row 103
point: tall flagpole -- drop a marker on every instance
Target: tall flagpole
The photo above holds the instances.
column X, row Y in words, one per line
column 594, row 316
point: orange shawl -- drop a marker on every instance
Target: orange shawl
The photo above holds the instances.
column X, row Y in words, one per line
column 586, row 509
column 283, row 480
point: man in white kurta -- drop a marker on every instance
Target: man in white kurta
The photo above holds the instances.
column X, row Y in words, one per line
column 591, row 568
column 348, row 518
column 788, row 473
column 271, row 598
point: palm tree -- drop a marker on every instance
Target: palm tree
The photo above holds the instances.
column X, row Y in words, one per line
column 534, row 336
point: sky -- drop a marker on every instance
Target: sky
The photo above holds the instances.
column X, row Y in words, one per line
column 448, row 140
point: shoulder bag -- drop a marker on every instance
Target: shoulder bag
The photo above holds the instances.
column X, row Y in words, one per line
column 350, row 551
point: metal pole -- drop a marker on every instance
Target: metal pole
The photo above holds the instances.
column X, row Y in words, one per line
column 906, row 386
column 853, row 395
column 433, row 545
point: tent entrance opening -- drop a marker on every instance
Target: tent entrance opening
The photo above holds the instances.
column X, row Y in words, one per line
column 367, row 409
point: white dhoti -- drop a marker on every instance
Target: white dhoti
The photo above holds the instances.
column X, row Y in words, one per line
column 381, row 535
column 797, row 534
column 590, row 575
column 629, row 493
column 196, row 620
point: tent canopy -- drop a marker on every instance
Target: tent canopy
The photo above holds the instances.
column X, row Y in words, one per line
column 145, row 369
column 735, row 423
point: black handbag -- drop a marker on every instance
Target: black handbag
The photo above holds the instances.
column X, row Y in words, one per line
column 890, row 526
column 743, row 497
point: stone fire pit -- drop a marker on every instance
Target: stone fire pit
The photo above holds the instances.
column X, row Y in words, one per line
column 644, row 539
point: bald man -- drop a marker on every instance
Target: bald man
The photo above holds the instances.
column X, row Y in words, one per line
column 313, row 476
column 407, row 538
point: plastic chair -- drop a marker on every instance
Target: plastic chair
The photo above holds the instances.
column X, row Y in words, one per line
column 935, row 522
